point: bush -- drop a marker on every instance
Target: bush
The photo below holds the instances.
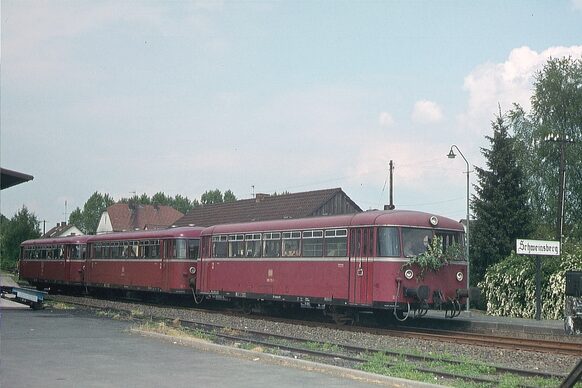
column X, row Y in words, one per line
column 509, row 286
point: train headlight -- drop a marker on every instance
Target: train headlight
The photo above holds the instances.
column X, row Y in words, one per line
column 192, row 270
column 434, row 221
column 408, row 274
column 460, row 276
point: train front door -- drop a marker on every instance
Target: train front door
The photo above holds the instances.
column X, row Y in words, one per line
column 361, row 265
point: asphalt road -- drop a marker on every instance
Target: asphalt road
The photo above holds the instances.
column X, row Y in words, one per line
column 69, row 348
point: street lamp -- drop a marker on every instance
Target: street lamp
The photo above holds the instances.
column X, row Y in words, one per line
column 452, row 155
column 562, row 140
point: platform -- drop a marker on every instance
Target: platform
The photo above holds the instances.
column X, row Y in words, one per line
column 478, row 321
column 54, row 348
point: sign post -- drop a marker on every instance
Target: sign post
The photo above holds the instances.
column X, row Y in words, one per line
column 538, row 248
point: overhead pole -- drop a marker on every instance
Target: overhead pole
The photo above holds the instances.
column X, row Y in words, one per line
column 391, row 206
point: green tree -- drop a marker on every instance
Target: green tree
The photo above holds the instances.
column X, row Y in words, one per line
column 87, row 219
column 500, row 205
column 556, row 109
column 161, row 199
column 22, row 226
column 183, row 204
column 76, row 219
column 211, row 196
column 229, row 196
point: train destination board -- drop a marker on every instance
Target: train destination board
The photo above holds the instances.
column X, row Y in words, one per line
column 537, row 247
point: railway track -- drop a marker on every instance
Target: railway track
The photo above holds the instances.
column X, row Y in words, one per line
column 486, row 340
column 502, row 342
column 337, row 353
column 360, row 356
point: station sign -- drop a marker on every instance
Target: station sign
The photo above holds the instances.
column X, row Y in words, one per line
column 537, row 247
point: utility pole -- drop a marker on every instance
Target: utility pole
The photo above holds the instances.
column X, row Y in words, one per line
column 391, row 206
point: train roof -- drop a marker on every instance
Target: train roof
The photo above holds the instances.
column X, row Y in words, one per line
column 149, row 234
column 77, row 239
column 369, row 218
column 136, row 235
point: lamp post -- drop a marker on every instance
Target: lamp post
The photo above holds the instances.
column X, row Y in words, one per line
column 452, row 155
column 562, row 140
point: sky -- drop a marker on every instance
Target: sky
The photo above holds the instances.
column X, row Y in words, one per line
column 181, row 97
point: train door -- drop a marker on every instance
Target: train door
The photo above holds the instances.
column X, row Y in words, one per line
column 172, row 250
column 66, row 249
column 361, row 265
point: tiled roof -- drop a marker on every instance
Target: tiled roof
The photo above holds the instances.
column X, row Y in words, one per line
column 60, row 230
column 265, row 207
column 126, row 218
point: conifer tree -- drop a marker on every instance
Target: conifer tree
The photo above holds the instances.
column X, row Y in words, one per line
column 500, row 206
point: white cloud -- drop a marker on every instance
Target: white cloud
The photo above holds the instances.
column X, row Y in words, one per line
column 491, row 85
column 426, row 112
column 386, row 120
column 577, row 4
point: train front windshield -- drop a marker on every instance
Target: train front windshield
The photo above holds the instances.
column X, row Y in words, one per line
column 415, row 241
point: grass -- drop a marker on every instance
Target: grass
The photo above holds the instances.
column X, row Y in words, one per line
column 174, row 330
column 382, row 364
column 60, row 305
column 110, row 314
column 322, row 347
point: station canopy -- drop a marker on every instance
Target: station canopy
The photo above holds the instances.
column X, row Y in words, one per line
column 11, row 178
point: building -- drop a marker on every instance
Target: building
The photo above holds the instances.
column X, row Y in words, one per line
column 62, row 230
column 272, row 207
column 122, row 217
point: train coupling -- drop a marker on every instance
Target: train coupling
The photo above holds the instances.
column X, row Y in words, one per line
column 420, row 293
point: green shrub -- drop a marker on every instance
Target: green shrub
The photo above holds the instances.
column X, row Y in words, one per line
column 509, row 286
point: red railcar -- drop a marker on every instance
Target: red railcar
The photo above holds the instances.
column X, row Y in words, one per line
column 53, row 260
column 361, row 260
column 158, row 260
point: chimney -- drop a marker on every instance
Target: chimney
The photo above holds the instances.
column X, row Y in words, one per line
column 259, row 197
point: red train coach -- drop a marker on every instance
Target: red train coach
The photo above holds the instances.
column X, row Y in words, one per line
column 360, row 260
column 157, row 260
column 52, row 261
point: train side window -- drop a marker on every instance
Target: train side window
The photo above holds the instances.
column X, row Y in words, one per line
column 116, row 250
column 219, row 246
column 388, row 242
column 151, row 249
column 291, row 244
column 236, row 245
column 367, row 242
column 272, row 244
column 193, row 248
column 97, row 251
column 180, row 250
column 356, row 242
column 336, row 242
column 253, row 245
column 169, row 249
column 132, row 250
column 313, row 243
